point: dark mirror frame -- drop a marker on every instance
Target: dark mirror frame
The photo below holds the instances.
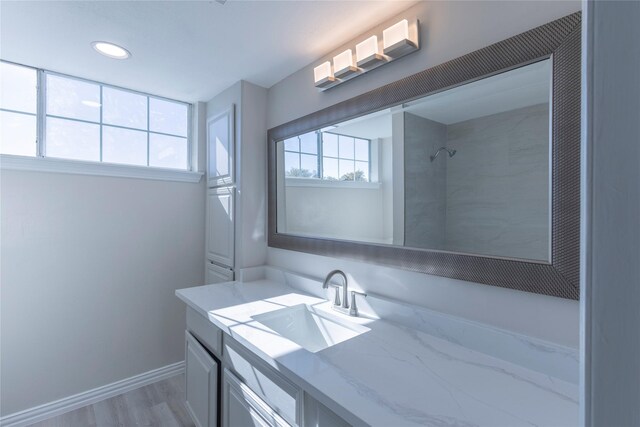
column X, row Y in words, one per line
column 559, row 40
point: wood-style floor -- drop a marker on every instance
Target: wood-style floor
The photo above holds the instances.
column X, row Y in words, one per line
column 159, row 404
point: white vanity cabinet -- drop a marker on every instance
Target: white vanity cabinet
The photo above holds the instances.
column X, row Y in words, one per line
column 217, row 274
column 221, row 189
column 318, row 415
column 220, row 226
column 224, row 376
column 243, row 407
column 221, row 148
column 201, row 383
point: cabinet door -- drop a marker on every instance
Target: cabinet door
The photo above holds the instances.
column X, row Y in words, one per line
column 217, row 274
column 201, row 378
column 220, row 225
column 242, row 407
column 220, row 148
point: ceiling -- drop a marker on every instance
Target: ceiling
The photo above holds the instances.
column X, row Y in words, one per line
column 518, row 88
column 371, row 126
column 186, row 50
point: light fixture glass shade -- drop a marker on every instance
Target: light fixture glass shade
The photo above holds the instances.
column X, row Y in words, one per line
column 343, row 64
column 396, row 33
column 397, row 41
column 322, row 71
column 367, row 48
column 323, row 74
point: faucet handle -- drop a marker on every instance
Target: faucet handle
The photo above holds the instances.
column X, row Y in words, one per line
column 336, row 298
column 353, row 310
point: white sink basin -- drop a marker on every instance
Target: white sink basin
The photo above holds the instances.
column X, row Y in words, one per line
column 311, row 329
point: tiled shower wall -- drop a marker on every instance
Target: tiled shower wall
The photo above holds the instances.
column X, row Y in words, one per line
column 492, row 197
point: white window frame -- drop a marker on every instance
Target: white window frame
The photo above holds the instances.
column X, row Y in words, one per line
column 41, row 163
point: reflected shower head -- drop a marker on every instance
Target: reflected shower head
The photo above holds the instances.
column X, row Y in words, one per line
column 451, row 152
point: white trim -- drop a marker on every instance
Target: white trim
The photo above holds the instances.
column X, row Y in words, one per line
column 42, row 164
column 325, row 183
column 58, row 407
column 586, row 208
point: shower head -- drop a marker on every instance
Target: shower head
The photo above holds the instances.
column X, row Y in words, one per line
column 451, row 152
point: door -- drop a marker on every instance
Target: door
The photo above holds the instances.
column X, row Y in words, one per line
column 242, row 407
column 220, row 225
column 220, row 148
column 217, row 274
column 201, row 378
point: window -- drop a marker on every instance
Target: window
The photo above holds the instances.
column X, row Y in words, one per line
column 301, row 156
column 328, row 156
column 89, row 121
column 345, row 158
column 18, row 108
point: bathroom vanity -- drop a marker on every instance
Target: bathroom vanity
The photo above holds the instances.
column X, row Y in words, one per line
column 394, row 365
column 468, row 170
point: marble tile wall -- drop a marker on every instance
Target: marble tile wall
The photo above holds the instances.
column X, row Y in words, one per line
column 498, row 184
column 492, row 197
column 425, row 183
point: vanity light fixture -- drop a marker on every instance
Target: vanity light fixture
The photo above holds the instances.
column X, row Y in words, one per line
column 397, row 41
column 368, row 53
column 111, row 50
column 343, row 64
column 323, row 75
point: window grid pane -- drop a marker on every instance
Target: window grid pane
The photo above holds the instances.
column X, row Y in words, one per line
column 123, row 108
column 348, row 157
column 18, row 88
column 17, row 133
column 73, row 99
column 124, row 146
column 73, row 139
column 18, row 108
column 167, row 151
column 124, row 121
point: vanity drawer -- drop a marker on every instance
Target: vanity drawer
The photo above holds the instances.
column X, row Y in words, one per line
column 281, row 395
column 205, row 331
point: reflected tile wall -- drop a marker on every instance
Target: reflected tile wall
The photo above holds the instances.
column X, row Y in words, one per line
column 498, row 184
column 425, row 183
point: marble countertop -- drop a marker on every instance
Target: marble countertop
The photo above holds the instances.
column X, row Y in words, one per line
column 392, row 375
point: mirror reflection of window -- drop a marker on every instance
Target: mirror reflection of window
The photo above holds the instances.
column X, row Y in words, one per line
column 328, row 156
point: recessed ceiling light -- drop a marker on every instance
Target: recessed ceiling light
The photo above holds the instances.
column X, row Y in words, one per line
column 111, row 50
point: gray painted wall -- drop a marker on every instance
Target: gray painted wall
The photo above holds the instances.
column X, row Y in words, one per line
column 610, row 280
column 498, row 184
column 442, row 39
column 89, row 269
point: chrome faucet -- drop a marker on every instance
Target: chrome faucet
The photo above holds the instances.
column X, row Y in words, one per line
column 337, row 302
column 343, row 305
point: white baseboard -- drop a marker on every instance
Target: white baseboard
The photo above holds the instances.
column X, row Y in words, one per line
column 52, row 409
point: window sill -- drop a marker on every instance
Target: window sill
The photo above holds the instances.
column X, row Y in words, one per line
column 41, row 164
column 321, row 183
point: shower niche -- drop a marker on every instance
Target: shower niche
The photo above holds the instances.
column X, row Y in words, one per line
column 464, row 170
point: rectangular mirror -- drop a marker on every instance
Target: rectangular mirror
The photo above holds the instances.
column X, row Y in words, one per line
column 464, row 170
column 469, row 169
